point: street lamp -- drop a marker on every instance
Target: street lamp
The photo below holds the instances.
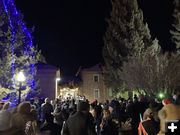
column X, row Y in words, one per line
column 20, row 78
column 57, row 79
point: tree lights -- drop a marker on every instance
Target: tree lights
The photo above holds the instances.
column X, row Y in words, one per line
column 22, row 55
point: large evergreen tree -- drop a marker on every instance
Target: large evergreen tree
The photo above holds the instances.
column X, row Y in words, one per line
column 175, row 31
column 126, row 36
column 16, row 48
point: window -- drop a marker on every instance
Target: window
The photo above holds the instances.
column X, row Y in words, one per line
column 110, row 92
column 96, row 93
column 96, row 78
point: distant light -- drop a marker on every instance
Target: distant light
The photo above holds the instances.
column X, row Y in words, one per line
column 20, row 77
column 161, row 95
column 58, row 79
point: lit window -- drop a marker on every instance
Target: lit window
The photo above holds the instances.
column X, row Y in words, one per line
column 96, row 93
column 110, row 92
column 96, row 78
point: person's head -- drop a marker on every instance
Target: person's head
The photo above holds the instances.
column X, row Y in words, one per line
column 177, row 102
column 177, row 91
column 95, row 102
column 24, row 108
column 107, row 102
column 166, row 101
column 83, row 107
column 111, row 109
column 32, row 101
column 148, row 113
column 112, row 105
column 52, row 102
column 92, row 106
column 130, row 101
column 105, row 113
column 47, row 100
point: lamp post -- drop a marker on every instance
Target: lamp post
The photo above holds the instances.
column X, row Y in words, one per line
column 57, row 79
column 20, row 78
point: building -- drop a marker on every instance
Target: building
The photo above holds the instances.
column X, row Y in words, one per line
column 48, row 76
column 88, row 82
column 92, row 86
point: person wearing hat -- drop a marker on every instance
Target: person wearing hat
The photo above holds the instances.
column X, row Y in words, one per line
column 96, row 111
column 111, row 124
column 166, row 101
column 81, row 123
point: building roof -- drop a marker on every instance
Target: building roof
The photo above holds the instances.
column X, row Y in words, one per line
column 45, row 66
column 96, row 67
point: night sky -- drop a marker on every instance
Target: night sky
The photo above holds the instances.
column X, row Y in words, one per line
column 70, row 32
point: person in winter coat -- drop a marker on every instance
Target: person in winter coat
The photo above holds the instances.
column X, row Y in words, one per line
column 46, row 108
column 81, row 123
column 111, row 125
column 96, row 111
column 148, row 126
column 23, row 119
column 58, row 116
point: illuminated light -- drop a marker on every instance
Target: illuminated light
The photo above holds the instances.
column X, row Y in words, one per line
column 58, row 79
column 21, row 77
column 161, row 95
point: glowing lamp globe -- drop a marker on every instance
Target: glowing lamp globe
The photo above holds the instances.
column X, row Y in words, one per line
column 20, row 77
column 58, row 79
column 161, row 95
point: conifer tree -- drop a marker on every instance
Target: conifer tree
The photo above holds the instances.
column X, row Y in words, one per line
column 16, row 48
column 126, row 36
column 175, row 31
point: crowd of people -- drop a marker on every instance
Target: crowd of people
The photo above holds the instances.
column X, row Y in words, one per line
column 134, row 116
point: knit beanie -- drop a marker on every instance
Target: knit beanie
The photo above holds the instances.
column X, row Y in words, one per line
column 113, row 104
column 82, row 106
column 5, row 117
column 166, row 101
column 95, row 101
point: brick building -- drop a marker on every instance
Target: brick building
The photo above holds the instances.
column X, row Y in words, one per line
column 92, row 85
column 88, row 82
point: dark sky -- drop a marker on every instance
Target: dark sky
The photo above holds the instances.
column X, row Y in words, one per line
column 70, row 32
